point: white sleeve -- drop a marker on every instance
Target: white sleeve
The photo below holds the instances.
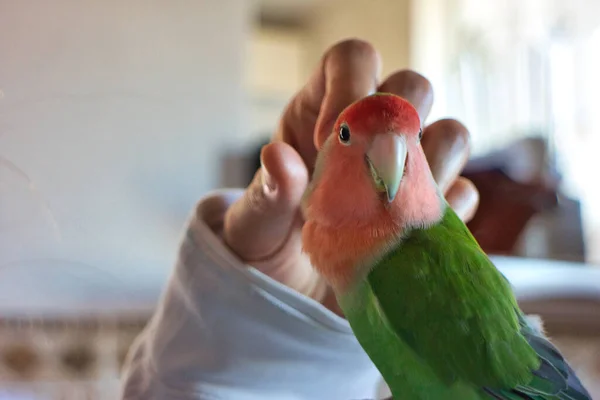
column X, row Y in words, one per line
column 223, row 330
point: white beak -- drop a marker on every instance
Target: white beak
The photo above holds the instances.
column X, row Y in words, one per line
column 386, row 158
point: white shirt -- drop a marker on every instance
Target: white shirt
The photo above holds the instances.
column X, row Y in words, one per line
column 223, row 330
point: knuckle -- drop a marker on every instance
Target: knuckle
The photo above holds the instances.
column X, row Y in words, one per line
column 412, row 81
column 414, row 87
column 352, row 56
column 452, row 131
column 466, row 186
column 463, row 197
column 470, row 192
column 352, row 48
column 255, row 198
column 474, row 203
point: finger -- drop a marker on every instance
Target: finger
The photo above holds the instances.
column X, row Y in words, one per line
column 413, row 87
column 446, row 146
column 347, row 71
column 351, row 69
column 258, row 224
column 463, row 197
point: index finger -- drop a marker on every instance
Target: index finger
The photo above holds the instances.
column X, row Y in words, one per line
column 351, row 72
column 347, row 72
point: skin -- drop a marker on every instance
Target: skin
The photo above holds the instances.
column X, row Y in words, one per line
column 264, row 226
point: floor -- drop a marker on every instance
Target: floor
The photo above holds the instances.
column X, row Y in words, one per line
column 48, row 360
column 58, row 360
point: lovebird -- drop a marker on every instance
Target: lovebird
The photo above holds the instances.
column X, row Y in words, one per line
column 430, row 309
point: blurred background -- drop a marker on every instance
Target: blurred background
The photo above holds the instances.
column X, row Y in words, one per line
column 116, row 117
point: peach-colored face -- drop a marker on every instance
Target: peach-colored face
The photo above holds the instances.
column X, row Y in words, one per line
column 344, row 191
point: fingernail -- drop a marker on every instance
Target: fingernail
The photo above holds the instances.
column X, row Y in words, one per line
column 269, row 184
column 324, row 130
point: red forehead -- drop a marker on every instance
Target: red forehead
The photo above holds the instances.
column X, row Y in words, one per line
column 381, row 111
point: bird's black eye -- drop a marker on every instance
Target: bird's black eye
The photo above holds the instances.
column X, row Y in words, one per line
column 420, row 135
column 344, row 134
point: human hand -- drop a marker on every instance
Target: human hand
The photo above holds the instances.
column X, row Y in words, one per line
column 264, row 226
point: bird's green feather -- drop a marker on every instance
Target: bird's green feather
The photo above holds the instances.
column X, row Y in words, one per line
column 441, row 322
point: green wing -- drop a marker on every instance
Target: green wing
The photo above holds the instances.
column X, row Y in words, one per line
column 554, row 379
column 442, row 296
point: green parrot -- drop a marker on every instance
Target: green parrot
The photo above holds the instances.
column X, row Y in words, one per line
column 436, row 317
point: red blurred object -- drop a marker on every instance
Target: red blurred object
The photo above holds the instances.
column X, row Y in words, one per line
column 505, row 208
column 514, row 183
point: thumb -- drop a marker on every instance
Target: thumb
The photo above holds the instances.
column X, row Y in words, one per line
column 258, row 224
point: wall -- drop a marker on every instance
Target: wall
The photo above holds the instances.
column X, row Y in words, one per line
column 113, row 116
column 384, row 23
column 282, row 56
column 407, row 33
column 273, row 74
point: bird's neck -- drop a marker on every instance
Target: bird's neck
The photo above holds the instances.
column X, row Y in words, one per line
column 340, row 254
column 345, row 254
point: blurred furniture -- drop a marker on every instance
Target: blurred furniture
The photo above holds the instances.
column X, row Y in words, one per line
column 508, row 207
column 72, row 348
column 521, row 210
column 69, row 358
column 566, row 295
column 556, row 233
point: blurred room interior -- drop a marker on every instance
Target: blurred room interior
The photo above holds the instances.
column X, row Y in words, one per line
column 176, row 99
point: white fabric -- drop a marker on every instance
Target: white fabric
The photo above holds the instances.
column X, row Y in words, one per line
column 223, row 330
